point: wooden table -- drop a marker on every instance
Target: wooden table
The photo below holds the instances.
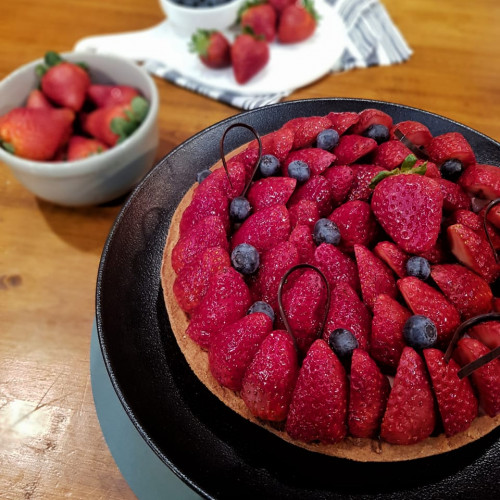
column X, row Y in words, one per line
column 51, row 444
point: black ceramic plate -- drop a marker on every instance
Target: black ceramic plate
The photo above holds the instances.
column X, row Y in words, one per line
column 214, row 450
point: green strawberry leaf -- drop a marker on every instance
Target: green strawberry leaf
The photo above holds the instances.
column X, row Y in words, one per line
column 200, row 40
column 408, row 163
column 122, row 127
column 8, row 147
column 40, row 70
column 407, row 167
column 381, row 176
column 83, row 65
column 140, row 108
column 309, row 6
column 52, row 58
column 420, row 170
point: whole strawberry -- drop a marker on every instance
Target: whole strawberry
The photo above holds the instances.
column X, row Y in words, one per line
column 297, row 22
column 249, row 55
column 103, row 95
column 260, row 17
column 83, row 147
column 212, row 48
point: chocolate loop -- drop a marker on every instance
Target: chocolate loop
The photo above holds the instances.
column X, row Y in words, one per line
column 419, row 151
column 466, row 370
column 485, row 225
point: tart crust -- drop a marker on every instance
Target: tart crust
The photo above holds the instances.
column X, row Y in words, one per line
column 358, row 449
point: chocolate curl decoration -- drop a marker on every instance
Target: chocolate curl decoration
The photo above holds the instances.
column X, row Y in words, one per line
column 481, row 361
column 223, row 156
column 280, row 293
column 419, row 151
column 485, row 220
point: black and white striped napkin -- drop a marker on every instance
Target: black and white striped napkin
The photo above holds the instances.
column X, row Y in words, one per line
column 373, row 40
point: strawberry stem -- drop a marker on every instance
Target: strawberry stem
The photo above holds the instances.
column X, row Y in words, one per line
column 407, row 167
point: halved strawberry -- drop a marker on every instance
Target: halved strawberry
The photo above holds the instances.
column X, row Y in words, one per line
column 454, row 197
column 219, row 179
column 452, row 145
column 391, row 154
column 278, row 143
column 343, row 121
column 370, row 116
column 393, row 256
column 317, row 159
column 301, row 237
column 415, row 132
column 306, row 129
column 482, row 181
column 317, row 189
column 341, row 179
column 304, row 212
column 363, row 175
column 270, row 191
column 488, row 333
column 476, row 223
column 352, row 148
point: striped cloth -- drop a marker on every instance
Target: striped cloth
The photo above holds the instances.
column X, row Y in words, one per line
column 373, row 40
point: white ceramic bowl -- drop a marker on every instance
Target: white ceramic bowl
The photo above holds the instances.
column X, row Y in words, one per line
column 99, row 178
column 188, row 19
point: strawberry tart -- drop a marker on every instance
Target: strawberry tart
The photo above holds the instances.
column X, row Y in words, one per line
column 332, row 282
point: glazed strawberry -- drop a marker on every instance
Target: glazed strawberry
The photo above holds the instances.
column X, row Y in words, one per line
column 431, row 169
column 317, row 159
column 304, row 212
column 487, row 333
column 451, row 145
column 467, row 291
column 36, row 134
column 457, row 404
column 206, row 233
column 231, row 189
column 270, row 191
column 391, row 154
column 368, row 394
column 409, row 417
column 415, row 132
column 454, row 197
column 386, row 340
column 347, row 311
column 83, row 147
column 317, row 189
column 306, row 129
column 304, row 304
column 191, row 283
column 301, row 237
column 352, row 148
column 278, row 143
column 264, row 229
column 482, row 181
column 36, row 99
column 409, row 196
column 473, row 251
column 393, row 256
column 111, row 95
column 375, row 277
column 297, row 22
column 363, row 175
column 369, row 117
column 476, row 223
column 439, row 253
column 232, row 349
column 424, row 300
column 493, row 215
column 343, row 121
column 212, row 48
column 260, row 18
column 356, row 223
column 318, row 409
column 227, row 302
column 270, row 378
column 248, row 56
column 486, row 379
column 341, row 179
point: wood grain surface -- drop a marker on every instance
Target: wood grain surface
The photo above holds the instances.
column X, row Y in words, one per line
column 51, row 445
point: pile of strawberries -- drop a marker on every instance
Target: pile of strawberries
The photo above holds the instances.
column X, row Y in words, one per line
column 388, row 206
column 68, row 117
column 262, row 22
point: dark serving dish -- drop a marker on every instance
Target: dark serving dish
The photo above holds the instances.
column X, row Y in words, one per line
column 214, row 450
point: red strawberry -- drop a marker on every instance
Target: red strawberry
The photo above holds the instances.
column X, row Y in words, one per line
column 36, row 99
column 343, row 121
column 232, row 349
column 248, row 158
column 451, row 145
column 363, row 175
column 206, row 233
column 280, row 5
column 219, row 178
column 475, row 222
column 304, row 303
column 347, row 311
column 336, row 266
column 393, row 256
column 83, row 147
column 270, row 191
column 486, row 379
column 386, row 340
column 391, row 154
column 270, row 378
column 111, row 95
column 356, row 223
column 493, row 215
column 318, row 409
column 457, row 403
column 341, row 179
column 409, row 417
column 488, row 333
column 304, row 212
column 375, row 277
column 473, row 251
column 454, row 197
column 212, row 48
column 317, row 159
column 297, row 22
column 228, row 301
column 36, row 134
column 191, row 284
column 370, row 116
column 482, row 181
column 415, row 132
column 351, row 148
column 301, row 237
column 369, row 391
column 260, row 18
column 306, row 129
column 427, row 301
column 398, row 203
column 431, row 169
column 317, row 189
column 249, row 56
column 278, row 143
column 264, row 229
column 467, row 291
column 437, row 254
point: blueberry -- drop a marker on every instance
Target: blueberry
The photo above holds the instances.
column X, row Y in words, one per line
column 240, row 209
column 451, row 169
column 418, row 267
column 326, row 231
column 419, row 332
column 299, row 170
column 327, row 139
column 342, row 342
column 377, row 132
column 269, row 165
column 263, row 307
column 201, row 176
column 245, row 258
